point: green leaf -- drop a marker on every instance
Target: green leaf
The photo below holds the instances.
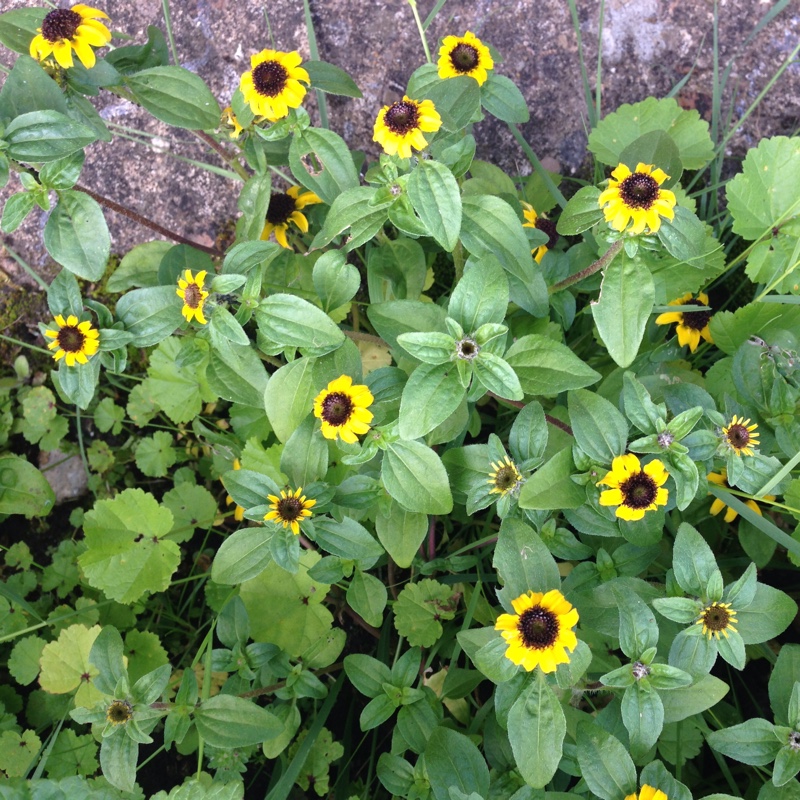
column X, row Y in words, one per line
column 367, row 596
column 77, row 237
column 523, row 561
column 335, row 281
column 605, row 764
column 79, row 383
column 581, row 212
column 237, row 375
column 456, row 99
column 401, row 532
column 253, row 202
column 175, row 96
column 354, row 209
column 17, row 752
column 293, row 322
column 627, row 296
column 638, row 630
column 657, row 148
column 396, row 271
column 227, row 721
column 65, row 661
column 174, row 386
column 419, row 609
column 127, row 553
column 118, row 757
column 545, row 367
column 681, row 703
column 17, row 207
column 106, row 656
column 600, row 430
column 453, row 761
column 18, row 27
column 770, row 613
column 347, row 539
column 684, row 237
column 435, row 195
column 490, row 227
column 289, row 396
column 502, row 99
column 72, row 755
column 243, row 555
column 415, row 477
column 753, row 742
column 618, row 130
column 150, row 314
column 643, row 715
column 155, row 454
column 331, row 79
column 731, row 330
column 481, row 296
column 431, row 395
column 133, row 58
column 551, row 486
column 785, row 674
column 528, row 437
column 334, row 172
column 429, row 347
column 536, row 729
column 23, row 663
column 41, row 136
column 496, row 375
column 192, row 507
column 29, row 88
column 23, row 489
column 692, row 561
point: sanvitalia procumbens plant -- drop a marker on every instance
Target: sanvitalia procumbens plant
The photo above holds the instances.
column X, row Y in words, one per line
column 444, row 403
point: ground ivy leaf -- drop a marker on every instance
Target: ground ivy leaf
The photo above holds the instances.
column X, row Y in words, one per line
column 316, row 768
column 419, row 608
column 178, row 390
column 65, row 662
column 17, row 752
column 144, row 653
column 127, row 554
column 192, row 507
column 23, row 663
column 155, row 454
column 72, row 755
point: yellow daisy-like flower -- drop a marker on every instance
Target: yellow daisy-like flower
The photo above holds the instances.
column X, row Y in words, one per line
column 238, row 513
column 285, row 207
column 290, row 509
column 721, row 479
column 400, row 126
column 190, row 290
column 540, row 633
column 119, row 712
column 740, row 436
column 637, row 196
column 506, row 478
column 464, row 55
column 228, row 118
column 66, row 29
column 75, row 341
column 691, row 324
column 273, row 85
column 716, row 619
column 541, row 223
column 647, row 793
column 634, row 490
column 342, row 407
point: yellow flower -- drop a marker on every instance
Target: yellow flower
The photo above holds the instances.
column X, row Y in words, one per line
column 289, row 509
column 540, row 633
column 506, row 477
column 400, row 126
column 273, row 85
column 76, row 341
column 342, row 407
column 284, row 207
column 238, row 513
column 229, row 118
column 647, row 793
column 691, row 324
column 636, row 196
column 191, row 291
column 66, row 29
column 721, row 479
column 716, row 619
column 464, row 55
column 534, row 220
column 739, row 436
column 634, row 490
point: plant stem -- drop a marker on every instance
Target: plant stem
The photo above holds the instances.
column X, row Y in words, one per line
column 537, row 166
column 168, row 26
column 148, row 223
column 595, row 266
column 421, row 29
column 229, row 159
column 556, row 423
column 27, row 267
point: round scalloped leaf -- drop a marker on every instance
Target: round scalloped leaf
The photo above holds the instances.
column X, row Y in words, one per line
column 144, row 653
column 23, row 663
column 618, row 130
column 72, row 755
column 65, row 662
column 17, row 752
column 419, row 608
column 192, row 507
column 127, row 553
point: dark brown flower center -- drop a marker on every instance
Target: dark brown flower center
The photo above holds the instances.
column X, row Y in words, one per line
column 549, row 227
column 716, row 618
column 638, row 491
column 639, row 190
column 192, row 295
column 337, row 408
column 464, row 57
column 70, row 339
column 794, row 740
column 281, row 207
column 289, row 508
column 467, row 349
column 269, row 78
column 119, row 712
column 738, row 436
column 61, row 24
column 696, row 320
column 402, row 117
column 506, row 478
column 538, row 628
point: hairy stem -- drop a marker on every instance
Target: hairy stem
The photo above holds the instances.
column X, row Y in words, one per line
column 595, row 266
